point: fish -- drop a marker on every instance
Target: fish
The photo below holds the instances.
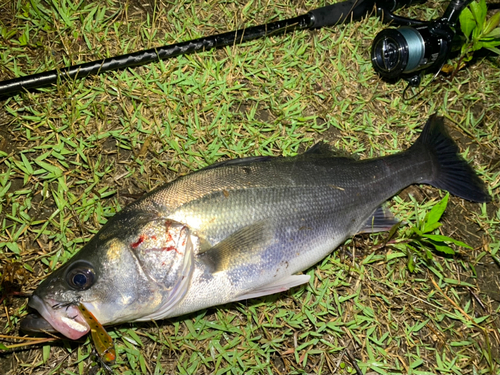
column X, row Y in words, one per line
column 239, row 229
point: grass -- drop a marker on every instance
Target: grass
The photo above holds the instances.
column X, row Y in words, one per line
column 75, row 154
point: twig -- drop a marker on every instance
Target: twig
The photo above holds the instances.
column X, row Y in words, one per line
column 33, row 342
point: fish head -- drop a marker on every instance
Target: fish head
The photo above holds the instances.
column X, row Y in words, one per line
column 117, row 278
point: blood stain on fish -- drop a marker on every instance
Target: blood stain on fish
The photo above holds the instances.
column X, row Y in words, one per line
column 138, row 242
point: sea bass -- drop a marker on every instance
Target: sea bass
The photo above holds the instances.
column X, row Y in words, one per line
column 238, row 229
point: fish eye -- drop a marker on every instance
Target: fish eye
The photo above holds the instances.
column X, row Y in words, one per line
column 80, row 275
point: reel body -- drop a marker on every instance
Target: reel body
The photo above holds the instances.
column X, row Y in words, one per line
column 407, row 52
column 416, row 47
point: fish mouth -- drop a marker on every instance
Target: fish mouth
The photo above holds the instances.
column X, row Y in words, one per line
column 66, row 319
column 35, row 323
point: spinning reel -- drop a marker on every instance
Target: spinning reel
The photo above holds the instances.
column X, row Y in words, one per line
column 416, row 47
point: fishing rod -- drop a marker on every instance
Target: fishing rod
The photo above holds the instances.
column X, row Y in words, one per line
column 331, row 15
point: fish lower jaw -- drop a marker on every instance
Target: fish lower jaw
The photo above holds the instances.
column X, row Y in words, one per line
column 73, row 324
column 67, row 320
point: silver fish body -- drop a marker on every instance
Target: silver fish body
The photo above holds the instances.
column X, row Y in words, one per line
column 239, row 229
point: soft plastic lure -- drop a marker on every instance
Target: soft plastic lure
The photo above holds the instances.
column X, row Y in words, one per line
column 102, row 340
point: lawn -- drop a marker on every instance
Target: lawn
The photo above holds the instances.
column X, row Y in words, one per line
column 74, row 154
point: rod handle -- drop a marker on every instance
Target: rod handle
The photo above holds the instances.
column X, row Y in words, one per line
column 340, row 13
column 354, row 10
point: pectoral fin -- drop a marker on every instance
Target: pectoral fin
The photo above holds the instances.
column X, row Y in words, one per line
column 276, row 287
column 381, row 220
column 243, row 247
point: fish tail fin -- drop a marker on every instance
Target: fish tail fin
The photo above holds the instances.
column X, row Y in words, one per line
column 449, row 170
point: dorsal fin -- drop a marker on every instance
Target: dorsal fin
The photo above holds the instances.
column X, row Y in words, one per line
column 319, row 150
column 323, row 149
column 240, row 162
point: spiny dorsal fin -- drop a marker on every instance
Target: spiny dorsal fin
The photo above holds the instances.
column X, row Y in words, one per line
column 243, row 162
column 324, row 150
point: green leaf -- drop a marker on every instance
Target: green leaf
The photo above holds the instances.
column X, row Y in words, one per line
column 411, row 258
column 477, row 46
column 490, row 40
column 481, row 319
column 479, row 12
column 3, row 347
column 493, row 22
column 411, row 263
column 457, row 282
column 494, row 247
column 135, row 337
column 440, row 238
column 416, row 363
column 27, row 164
column 23, row 39
column 12, row 246
column 45, row 353
column 495, row 33
column 491, row 44
column 468, row 57
column 467, row 22
column 53, row 170
column 395, row 255
column 493, row 49
column 443, row 248
column 417, row 231
column 435, row 214
column 428, row 255
column 432, row 227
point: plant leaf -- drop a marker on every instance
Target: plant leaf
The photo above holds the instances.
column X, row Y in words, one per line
column 479, row 12
column 493, row 22
column 467, row 22
column 428, row 254
column 45, row 353
column 495, row 33
column 476, row 34
column 477, row 46
column 441, row 247
column 410, row 264
column 490, row 43
column 432, row 227
column 493, row 49
column 483, row 8
column 440, row 238
column 435, row 214
column 417, row 231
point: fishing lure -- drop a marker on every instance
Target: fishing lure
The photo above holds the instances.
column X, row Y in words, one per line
column 102, row 340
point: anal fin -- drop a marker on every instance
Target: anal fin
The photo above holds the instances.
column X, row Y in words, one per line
column 278, row 286
column 381, row 220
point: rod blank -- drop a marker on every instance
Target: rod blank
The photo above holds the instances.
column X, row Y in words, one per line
column 151, row 55
column 330, row 15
